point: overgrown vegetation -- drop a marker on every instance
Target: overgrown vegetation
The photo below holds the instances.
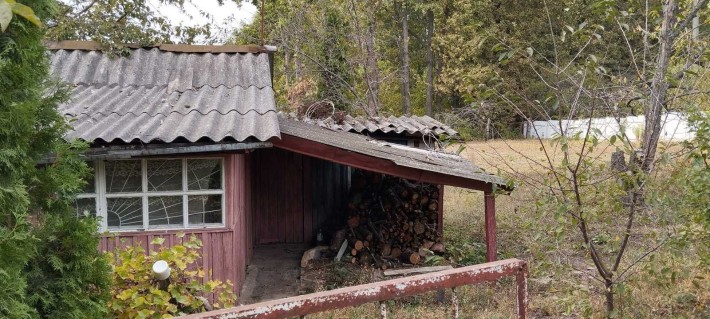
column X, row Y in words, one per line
column 136, row 294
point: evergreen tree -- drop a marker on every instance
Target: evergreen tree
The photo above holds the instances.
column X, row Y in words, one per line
column 49, row 262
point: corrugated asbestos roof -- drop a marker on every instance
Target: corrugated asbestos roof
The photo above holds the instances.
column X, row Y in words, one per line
column 408, row 125
column 154, row 95
column 443, row 163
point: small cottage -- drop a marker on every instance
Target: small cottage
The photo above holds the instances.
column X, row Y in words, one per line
column 186, row 139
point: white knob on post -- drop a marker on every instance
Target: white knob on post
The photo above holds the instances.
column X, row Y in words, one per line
column 161, row 270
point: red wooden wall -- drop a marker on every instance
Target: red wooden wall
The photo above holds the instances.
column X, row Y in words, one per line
column 226, row 251
column 278, row 196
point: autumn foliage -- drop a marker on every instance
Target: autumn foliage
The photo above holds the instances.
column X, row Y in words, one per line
column 136, row 294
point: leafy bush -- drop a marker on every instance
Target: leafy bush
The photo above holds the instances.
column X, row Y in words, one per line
column 136, row 294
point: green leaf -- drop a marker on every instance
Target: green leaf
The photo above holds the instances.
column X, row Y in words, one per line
column 27, row 13
column 158, row 241
column 612, row 140
column 5, row 15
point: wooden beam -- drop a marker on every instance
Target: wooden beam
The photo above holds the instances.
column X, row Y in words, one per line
column 378, row 291
column 490, row 212
column 374, row 164
column 417, row 270
column 179, row 48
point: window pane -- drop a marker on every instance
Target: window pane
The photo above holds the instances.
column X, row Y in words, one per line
column 165, row 210
column 123, row 176
column 164, row 175
column 85, row 207
column 204, row 209
column 90, row 186
column 124, row 213
column 204, row 174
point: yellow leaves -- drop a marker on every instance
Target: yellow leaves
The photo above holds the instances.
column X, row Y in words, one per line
column 10, row 7
column 212, row 284
column 137, row 295
column 125, row 295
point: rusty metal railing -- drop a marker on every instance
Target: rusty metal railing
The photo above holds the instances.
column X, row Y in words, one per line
column 303, row 305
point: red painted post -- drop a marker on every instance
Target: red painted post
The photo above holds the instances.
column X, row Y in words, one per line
column 522, row 287
column 490, row 212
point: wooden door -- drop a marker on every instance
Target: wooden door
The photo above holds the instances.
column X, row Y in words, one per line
column 278, row 197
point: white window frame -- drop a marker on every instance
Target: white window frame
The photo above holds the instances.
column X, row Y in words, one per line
column 102, row 204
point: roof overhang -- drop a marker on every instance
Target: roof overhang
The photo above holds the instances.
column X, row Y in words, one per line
column 114, row 152
column 362, row 152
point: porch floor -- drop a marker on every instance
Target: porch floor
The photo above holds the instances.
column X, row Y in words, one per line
column 273, row 273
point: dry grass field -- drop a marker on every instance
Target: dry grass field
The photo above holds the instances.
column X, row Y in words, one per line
column 561, row 275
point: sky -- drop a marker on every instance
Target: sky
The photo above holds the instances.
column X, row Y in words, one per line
column 227, row 17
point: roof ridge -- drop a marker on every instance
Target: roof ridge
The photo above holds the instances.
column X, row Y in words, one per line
column 180, row 48
column 168, row 113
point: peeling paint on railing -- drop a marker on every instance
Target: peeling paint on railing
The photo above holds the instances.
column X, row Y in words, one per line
column 381, row 291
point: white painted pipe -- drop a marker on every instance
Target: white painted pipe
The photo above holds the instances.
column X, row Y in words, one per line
column 161, row 270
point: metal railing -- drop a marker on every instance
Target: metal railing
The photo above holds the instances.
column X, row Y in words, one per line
column 300, row 306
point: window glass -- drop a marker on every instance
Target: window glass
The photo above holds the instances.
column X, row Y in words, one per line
column 85, row 207
column 165, row 210
column 204, row 209
column 164, row 175
column 175, row 189
column 124, row 212
column 123, row 176
column 203, row 174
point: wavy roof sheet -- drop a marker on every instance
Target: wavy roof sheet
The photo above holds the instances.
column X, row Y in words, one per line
column 155, row 95
column 403, row 125
column 426, row 160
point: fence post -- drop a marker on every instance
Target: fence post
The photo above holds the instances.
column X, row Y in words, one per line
column 521, row 279
column 454, row 304
column 383, row 310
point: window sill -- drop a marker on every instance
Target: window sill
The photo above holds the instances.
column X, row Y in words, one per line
column 170, row 231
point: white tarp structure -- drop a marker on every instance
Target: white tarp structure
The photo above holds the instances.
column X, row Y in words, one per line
column 675, row 127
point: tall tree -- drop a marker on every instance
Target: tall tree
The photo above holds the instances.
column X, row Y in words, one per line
column 429, row 62
column 116, row 22
column 401, row 9
column 49, row 263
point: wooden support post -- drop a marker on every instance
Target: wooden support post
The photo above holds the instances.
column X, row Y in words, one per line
column 454, row 304
column 490, row 212
column 522, row 291
column 440, row 212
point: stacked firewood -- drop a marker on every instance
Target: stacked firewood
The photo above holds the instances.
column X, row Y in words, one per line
column 391, row 221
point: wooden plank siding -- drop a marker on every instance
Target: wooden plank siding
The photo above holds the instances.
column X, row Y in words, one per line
column 225, row 250
column 331, row 185
column 296, row 195
column 278, row 197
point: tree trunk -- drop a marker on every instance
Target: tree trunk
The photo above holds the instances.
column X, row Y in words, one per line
column 403, row 14
column 659, row 89
column 371, row 71
column 288, row 68
column 429, row 62
column 609, row 294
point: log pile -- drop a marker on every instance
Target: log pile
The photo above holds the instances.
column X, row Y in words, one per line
column 390, row 221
